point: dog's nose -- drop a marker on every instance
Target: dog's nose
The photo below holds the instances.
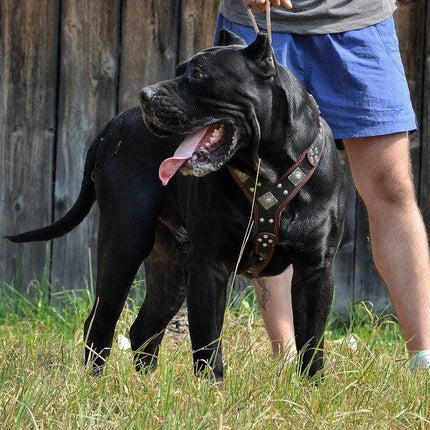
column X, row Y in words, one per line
column 146, row 94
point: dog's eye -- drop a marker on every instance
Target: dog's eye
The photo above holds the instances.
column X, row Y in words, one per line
column 197, row 74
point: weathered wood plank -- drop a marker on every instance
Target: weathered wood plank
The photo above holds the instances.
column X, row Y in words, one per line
column 198, row 20
column 28, row 69
column 368, row 286
column 344, row 263
column 87, row 99
column 424, row 191
column 410, row 25
column 149, row 40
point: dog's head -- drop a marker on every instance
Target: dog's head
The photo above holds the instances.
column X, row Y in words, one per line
column 222, row 99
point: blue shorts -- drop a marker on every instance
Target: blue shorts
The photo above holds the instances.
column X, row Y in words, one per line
column 356, row 77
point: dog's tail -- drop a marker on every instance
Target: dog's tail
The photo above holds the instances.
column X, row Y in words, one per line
column 77, row 212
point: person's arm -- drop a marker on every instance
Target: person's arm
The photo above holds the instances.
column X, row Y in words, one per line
column 260, row 5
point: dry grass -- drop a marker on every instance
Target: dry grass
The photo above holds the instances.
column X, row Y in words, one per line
column 43, row 384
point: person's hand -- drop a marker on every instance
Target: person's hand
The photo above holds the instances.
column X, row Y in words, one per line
column 260, row 5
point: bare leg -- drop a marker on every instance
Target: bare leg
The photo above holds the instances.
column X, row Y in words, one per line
column 382, row 174
column 274, row 296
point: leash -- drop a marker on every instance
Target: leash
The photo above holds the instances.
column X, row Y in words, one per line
column 254, row 22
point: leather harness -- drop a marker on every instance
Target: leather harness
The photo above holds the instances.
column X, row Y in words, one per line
column 270, row 199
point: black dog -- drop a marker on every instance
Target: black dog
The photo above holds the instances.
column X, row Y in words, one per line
column 242, row 113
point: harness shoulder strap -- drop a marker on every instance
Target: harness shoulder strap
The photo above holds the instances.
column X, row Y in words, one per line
column 270, row 200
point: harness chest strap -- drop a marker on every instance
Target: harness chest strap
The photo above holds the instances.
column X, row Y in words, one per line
column 270, row 200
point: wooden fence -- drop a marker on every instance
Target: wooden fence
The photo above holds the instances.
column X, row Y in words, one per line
column 67, row 66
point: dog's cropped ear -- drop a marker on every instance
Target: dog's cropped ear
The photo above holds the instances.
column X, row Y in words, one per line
column 181, row 68
column 260, row 52
column 226, row 38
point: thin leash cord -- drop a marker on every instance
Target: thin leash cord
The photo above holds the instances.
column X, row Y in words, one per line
column 268, row 21
column 251, row 17
column 247, row 231
column 254, row 22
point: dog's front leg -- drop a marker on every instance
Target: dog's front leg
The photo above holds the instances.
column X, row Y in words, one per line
column 312, row 295
column 206, row 297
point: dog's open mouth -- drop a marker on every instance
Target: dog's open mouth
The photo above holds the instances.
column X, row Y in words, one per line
column 201, row 152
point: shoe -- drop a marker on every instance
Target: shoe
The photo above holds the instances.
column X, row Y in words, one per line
column 421, row 360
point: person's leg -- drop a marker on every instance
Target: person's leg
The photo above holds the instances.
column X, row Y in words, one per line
column 274, row 296
column 381, row 171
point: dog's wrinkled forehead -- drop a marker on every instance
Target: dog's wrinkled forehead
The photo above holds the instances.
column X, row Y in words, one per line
column 215, row 61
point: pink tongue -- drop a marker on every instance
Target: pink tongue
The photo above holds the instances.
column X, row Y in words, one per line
column 185, row 150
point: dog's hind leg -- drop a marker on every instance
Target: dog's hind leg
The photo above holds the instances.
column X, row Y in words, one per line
column 312, row 295
column 165, row 294
column 122, row 247
column 129, row 205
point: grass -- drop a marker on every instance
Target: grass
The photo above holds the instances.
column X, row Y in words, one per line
column 43, row 384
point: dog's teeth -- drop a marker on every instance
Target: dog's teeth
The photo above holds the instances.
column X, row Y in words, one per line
column 216, row 133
